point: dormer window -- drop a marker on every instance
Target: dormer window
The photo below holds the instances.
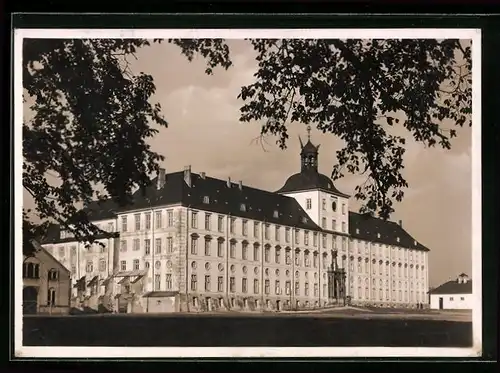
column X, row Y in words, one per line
column 243, row 207
column 357, row 230
column 415, row 243
column 276, row 214
column 63, row 234
column 304, row 219
column 206, row 199
column 397, row 239
column 378, row 235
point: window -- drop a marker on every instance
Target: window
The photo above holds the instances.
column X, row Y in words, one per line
column 207, row 247
column 276, row 214
column 288, row 257
column 168, row 281
column 158, row 246
column 297, row 288
column 170, row 218
column 306, row 289
column 124, row 223
column 287, row 235
column 194, row 220
column 323, row 241
column 316, row 289
column 243, row 207
column 194, row 246
column 266, row 254
column 102, row 265
column 315, row 239
column 266, row 231
column 220, row 284
column 137, row 244
column 207, row 283
column 323, row 204
column 288, row 287
column 277, row 256
column 147, row 217
column 306, row 238
column 462, row 298
column 308, row 203
column 244, row 227
column 451, row 299
column 277, row 233
column 256, row 286
column 208, row 218
column 307, row 260
column 147, row 246
column 343, row 209
column 157, row 282
column 220, row 223
column 158, row 222
column 343, row 226
column 297, row 258
column 51, row 297
column 277, row 287
column 220, row 248
column 267, row 287
column 123, row 246
column 256, row 253
column 315, row 260
column 206, row 200
column 232, row 225
column 323, row 223
column 73, row 269
column 244, row 250
column 297, row 238
column 255, row 229
column 232, row 249
column 89, row 266
column 194, row 282
column 123, row 265
column 334, row 224
column 232, row 284
column 244, row 285
column 170, row 244
column 137, row 218
column 136, row 264
column 53, row 275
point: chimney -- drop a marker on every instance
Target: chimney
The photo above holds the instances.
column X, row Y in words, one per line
column 202, row 175
column 401, row 223
column 161, row 179
column 187, row 175
column 240, row 184
column 229, row 182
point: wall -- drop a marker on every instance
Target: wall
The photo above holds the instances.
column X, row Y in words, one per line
column 452, row 301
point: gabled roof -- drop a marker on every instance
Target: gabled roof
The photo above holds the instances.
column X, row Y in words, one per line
column 369, row 228
column 39, row 248
column 453, row 287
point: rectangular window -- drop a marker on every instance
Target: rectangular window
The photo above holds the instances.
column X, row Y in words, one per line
column 194, row 220
column 220, row 284
column 123, row 246
column 137, row 218
column 277, row 287
column 136, row 264
column 297, row 238
column 277, row 256
column 256, row 286
column 89, row 267
column 102, row 265
column 232, row 284
column 256, row 253
column 287, row 235
column 170, row 218
column 137, row 244
column 110, row 227
column 232, row 224
column 244, row 285
column 157, row 282
column 123, row 265
column 315, row 239
column 158, row 246
column 194, row 246
column 244, row 227
column 343, row 209
column 194, row 282
column 316, row 290
column 207, row 247
column 147, row 246
column 267, row 287
column 323, row 241
column 220, row 249
column 170, row 244
column 158, row 221
column 297, row 258
column 308, row 203
column 297, row 288
column 288, row 257
column 307, row 259
column 220, row 223
column 306, row 289
column 334, row 225
column 343, row 227
column 306, row 238
column 315, row 260
column 323, row 204
column 266, row 254
column 277, row 233
column 244, row 251
column 208, row 218
column 323, row 223
column 255, row 229
column 169, row 281
column 147, row 217
column 124, row 223
column 288, row 287
column 207, row 283
column 232, row 250
column 266, row 231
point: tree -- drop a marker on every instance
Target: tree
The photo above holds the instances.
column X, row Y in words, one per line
column 92, row 115
column 91, row 122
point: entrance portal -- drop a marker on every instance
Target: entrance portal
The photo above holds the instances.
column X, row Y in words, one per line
column 278, row 305
column 440, row 303
column 30, row 299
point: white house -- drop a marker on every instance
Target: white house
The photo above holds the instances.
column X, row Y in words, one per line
column 454, row 294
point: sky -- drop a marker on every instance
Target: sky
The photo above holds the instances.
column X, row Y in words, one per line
column 205, row 133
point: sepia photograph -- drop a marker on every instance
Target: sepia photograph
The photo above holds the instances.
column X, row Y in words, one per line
column 239, row 193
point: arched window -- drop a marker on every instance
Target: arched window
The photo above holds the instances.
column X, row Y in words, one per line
column 31, row 268
column 51, row 297
column 53, row 275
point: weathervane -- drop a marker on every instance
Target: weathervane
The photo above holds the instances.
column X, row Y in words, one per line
column 309, row 133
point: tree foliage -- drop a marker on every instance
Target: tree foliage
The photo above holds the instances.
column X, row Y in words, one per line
column 93, row 117
column 91, row 122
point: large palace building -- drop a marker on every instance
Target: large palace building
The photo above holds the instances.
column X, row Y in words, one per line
column 193, row 243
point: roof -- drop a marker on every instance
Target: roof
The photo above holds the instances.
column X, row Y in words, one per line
column 309, row 147
column 53, row 234
column 160, row 294
column 308, row 180
column 39, row 248
column 453, row 287
column 369, row 228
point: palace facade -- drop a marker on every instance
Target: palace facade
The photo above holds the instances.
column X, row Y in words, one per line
column 190, row 242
